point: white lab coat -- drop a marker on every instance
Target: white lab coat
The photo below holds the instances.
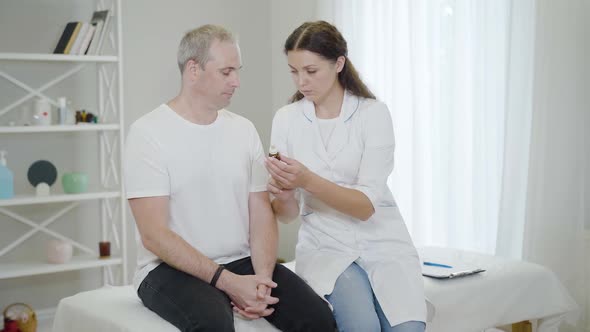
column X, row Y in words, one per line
column 361, row 157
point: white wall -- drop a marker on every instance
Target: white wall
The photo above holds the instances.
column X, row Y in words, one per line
column 558, row 188
column 151, row 72
column 586, row 174
column 586, row 138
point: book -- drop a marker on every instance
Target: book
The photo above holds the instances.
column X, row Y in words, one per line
column 73, row 38
column 65, row 38
column 98, row 19
column 81, row 35
column 87, row 39
column 94, row 41
column 104, row 32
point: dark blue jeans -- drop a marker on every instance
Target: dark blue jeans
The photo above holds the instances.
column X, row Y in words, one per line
column 191, row 304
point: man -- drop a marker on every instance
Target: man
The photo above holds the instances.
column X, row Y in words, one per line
column 196, row 184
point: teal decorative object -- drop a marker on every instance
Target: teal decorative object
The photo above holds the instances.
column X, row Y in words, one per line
column 74, row 183
column 6, row 178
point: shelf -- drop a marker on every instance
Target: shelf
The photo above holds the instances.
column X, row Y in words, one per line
column 57, row 57
column 57, row 128
column 15, row 270
column 57, row 198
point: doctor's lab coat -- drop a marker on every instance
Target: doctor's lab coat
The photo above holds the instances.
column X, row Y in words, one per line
column 359, row 156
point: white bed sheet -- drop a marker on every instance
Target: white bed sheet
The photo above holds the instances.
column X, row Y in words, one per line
column 508, row 292
column 118, row 309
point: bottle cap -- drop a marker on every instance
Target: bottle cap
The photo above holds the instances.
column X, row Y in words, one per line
column 274, row 153
column 2, row 157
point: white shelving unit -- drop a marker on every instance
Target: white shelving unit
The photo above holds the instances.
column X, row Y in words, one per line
column 28, row 200
column 60, row 128
column 16, row 270
column 58, row 57
column 109, row 93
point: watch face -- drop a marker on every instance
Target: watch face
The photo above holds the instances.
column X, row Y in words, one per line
column 42, row 171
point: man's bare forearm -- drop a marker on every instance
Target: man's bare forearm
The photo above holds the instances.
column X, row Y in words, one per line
column 176, row 252
column 286, row 211
column 263, row 234
column 151, row 217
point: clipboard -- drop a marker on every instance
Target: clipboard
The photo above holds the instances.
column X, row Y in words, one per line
column 449, row 273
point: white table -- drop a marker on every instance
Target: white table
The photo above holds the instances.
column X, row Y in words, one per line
column 508, row 292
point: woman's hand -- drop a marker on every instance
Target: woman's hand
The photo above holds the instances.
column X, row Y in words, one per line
column 279, row 192
column 288, row 173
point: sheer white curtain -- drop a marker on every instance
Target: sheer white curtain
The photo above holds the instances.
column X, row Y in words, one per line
column 456, row 79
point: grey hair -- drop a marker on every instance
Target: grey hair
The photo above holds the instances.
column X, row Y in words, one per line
column 196, row 43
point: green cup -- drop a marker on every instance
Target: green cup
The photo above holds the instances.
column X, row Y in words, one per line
column 74, row 183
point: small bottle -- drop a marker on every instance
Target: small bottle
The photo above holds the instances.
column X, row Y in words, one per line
column 62, row 110
column 6, row 178
column 104, row 248
column 42, row 113
column 70, row 116
column 274, row 153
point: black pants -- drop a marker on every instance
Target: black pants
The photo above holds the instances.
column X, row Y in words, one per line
column 191, row 304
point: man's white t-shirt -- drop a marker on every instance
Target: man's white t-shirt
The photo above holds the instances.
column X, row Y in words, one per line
column 207, row 171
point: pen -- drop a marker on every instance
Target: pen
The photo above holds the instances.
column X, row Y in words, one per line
column 437, row 265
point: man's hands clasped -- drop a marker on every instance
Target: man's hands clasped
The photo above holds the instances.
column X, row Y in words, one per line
column 249, row 294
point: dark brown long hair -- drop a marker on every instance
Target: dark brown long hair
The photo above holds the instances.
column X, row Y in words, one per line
column 324, row 39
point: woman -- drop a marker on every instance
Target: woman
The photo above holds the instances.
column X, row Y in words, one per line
column 336, row 151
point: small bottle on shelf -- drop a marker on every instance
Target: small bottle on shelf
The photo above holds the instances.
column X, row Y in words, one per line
column 42, row 112
column 62, row 110
column 66, row 117
column 6, row 178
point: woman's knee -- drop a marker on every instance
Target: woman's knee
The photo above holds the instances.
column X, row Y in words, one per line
column 352, row 300
column 352, row 288
column 366, row 323
column 411, row 326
